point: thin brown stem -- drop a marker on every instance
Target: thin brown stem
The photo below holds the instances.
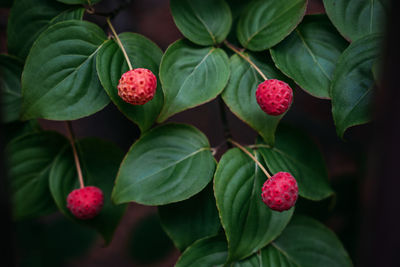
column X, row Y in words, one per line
column 251, row 156
column 71, row 138
column 234, row 49
column 119, row 43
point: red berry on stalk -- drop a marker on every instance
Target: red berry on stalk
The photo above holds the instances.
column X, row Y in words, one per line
column 137, row 86
column 280, row 192
column 85, row 203
column 274, row 96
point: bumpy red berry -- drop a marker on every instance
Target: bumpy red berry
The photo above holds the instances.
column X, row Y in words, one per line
column 137, row 86
column 274, row 96
column 280, row 192
column 85, row 203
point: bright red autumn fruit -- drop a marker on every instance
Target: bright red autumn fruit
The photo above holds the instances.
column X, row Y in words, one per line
column 274, row 96
column 280, row 192
column 85, row 203
column 137, row 86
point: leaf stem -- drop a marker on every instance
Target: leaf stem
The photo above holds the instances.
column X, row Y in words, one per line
column 119, row 43
column 234, row 49
column 251, row 156
column 71, row 138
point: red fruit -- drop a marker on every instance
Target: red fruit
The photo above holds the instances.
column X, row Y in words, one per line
column 280, row 192
column 137, row 86
column 85, row 203
column 274, row 96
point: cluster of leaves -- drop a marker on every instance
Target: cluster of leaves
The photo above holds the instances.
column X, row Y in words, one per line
column 66, row 68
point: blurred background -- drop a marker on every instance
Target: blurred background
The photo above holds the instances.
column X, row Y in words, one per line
column 362, row 168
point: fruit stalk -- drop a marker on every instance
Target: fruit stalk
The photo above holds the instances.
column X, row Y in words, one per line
column 230, row 46
column 119, row 43
column 251, row 156
column 71, row 138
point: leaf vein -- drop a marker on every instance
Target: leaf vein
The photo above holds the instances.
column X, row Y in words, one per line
column 128, row 187
column 269, row 23
column 312, row 54
column 204, row 23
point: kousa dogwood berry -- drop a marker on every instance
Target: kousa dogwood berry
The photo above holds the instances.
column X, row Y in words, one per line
column 137, row 86
column 85, row 203
column 274, row 97
column 280, row 192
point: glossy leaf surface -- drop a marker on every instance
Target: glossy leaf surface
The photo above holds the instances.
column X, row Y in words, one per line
column 59, row 81
column 30, row 158
column 310, row 53
column 168, row 164
column 209, row 251
column 266, row 23
column 353, row 82
column 205, row 22
column 306, row 243
column 28, row 19
column 191, row 75
column 357, row 18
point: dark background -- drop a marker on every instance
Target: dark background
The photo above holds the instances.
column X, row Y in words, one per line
column 362, row 168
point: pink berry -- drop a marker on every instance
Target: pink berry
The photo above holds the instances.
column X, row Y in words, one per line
column 280, row 192
column 137, row 86
column 274, row 96
column 85, row 203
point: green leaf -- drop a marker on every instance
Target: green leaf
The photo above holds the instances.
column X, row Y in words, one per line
column 59, row 81
column 249, row 224
column 190, row 220
column 252, row 261
column 99, row 161
column 203, row 22
column 296, row 153
column 28, row 19
column 306, row 243
column 111, row 64
column 240, row 93
column 266, row 23
column 310, row 53
column 211, row 251
column 29, row 159
column 70, row 14
column 355, row 19
column 191, row 75
column 168, row 164
column 10, row 85
column 73, row 2
column 353, row 83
